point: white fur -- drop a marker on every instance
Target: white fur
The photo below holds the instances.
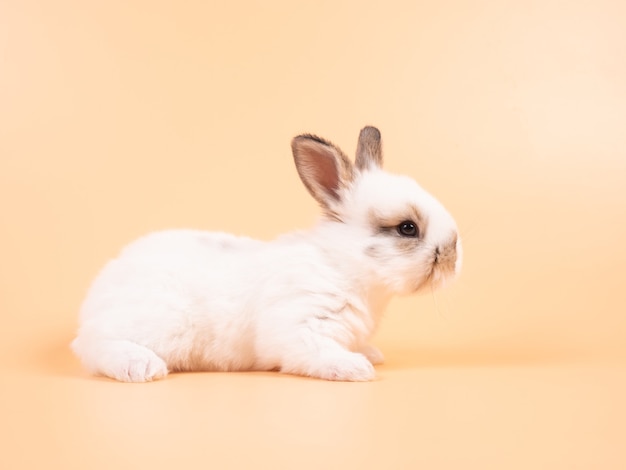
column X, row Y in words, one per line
column 306, row 303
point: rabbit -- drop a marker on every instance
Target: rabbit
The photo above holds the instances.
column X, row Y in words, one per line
column 306, row 303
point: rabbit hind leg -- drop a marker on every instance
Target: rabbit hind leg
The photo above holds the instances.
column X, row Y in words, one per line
column 122, row 360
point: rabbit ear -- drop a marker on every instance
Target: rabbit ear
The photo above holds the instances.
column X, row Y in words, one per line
column 323, row 168
column 369, row 151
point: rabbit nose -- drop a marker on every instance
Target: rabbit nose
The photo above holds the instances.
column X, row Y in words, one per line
column 445, row 254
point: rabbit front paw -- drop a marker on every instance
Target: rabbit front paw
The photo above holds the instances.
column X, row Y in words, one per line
column 348, row 366
column 122, row 360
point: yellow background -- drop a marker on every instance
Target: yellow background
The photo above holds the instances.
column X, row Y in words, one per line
column 122, row 117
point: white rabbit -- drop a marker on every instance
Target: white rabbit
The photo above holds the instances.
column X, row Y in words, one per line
column 306, row 303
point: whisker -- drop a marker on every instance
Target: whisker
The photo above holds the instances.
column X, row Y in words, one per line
column 467, row 232
column 437, row 309
column 466, row 235
column 449, row 300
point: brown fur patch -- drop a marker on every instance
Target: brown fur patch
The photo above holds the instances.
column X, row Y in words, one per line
column 388, row 222
column 407, row 244
column 369, row 151
column 445, row 259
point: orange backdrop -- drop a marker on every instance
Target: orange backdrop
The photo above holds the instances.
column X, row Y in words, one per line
column 122, row 117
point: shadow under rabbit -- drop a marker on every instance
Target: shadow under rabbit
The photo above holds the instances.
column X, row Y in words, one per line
column 54, row 357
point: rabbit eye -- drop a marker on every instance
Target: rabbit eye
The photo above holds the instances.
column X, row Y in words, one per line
column 408, row 229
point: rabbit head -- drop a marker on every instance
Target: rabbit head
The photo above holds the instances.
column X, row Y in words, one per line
column 404, row 238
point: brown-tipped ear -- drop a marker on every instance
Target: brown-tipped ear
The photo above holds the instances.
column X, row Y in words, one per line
column 369, row 150
column 323, row 168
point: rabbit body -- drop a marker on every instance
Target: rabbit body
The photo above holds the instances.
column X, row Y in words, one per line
column 192, row 300
column 306, row 303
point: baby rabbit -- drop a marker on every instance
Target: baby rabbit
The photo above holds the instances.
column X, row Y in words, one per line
column 306, row 303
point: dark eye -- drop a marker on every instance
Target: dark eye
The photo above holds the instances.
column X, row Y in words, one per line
column 408, row 229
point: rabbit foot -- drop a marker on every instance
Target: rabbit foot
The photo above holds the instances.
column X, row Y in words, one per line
column 347, row 366
column 122, row 360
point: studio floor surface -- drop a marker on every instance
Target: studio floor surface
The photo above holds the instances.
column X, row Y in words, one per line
column 426, row 410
